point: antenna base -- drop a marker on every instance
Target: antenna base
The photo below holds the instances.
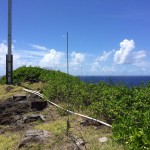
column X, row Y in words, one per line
column 9, row 69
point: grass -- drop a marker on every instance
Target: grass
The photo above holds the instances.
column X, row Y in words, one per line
column 34, row 86
column 90, row 134
column 8, row 141
column 7, row 91
column 55, row 127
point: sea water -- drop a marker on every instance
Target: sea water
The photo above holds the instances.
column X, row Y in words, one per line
column 127, row 80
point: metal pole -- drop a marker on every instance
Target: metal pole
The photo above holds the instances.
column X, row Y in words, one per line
column 9, row 26
column 67, row 56
column 68, row 120
column 9, row 56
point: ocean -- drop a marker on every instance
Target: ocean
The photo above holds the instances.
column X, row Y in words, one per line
column 127, row 80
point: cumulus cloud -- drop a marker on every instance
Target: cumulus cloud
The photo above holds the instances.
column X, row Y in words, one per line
column 3, row 48
column 99, row 59
column 126, row 55
column 3, row 51
column 104, row 56
column 77, row 58
column 103, row 64
column 95, row 66
column 17, row 59
column 52, row 59
column 126, row 47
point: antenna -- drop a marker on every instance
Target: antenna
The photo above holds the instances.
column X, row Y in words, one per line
column 67, row 56
column 68, row 120
column 9, row 56
column 81, row 68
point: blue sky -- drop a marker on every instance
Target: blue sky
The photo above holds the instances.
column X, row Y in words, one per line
column 106, row 37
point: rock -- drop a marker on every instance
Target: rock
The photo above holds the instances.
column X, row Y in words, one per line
column 103, row 140
column 38, row 105
column 31, row 136
column 80, row 142
column 20, row 105
column 89, row 122
column 9, row 88
column 2, row 131
column 19, row 97
column 68, row 146
column 33, row 117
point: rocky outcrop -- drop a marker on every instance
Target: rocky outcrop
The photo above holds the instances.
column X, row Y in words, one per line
column 31, row 136
column 15, row 108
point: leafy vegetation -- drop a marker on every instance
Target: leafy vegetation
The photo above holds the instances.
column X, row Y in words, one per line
column 127, row 109
column 33, row 74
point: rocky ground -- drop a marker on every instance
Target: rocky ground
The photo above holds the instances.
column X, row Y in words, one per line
column 20, row 112
column 13, row 111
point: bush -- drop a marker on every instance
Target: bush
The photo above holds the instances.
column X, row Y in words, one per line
column 127, row 109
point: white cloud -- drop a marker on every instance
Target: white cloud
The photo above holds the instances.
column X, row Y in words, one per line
column 29, row 53
column 121, row 56
column 103, row 64
column 99, row 59
column 3, row 49
column 16, row 58
column 138, row 56
column 52, row 59
column 39, row 47
column 107, row 69
column 77, row 58
column 126, row 55
column 95, row 66
column 104, row 56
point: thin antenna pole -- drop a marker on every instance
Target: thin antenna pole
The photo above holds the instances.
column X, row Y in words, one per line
column 81, row 68
column 68, row 120
column 9, row 26
column 67, row 56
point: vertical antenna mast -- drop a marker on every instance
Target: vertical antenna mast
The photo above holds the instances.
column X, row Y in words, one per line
column 67, row 56
column 68, row 120
column 9, row 56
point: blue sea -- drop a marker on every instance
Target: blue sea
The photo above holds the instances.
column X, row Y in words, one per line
column 127, row 80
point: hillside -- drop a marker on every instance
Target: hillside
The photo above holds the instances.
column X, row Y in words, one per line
column 43, row 126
